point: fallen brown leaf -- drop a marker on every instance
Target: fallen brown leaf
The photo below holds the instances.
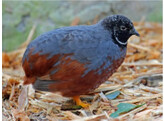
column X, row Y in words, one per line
column 5, row 60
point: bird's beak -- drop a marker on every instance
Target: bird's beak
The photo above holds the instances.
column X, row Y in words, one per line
column 134, row 32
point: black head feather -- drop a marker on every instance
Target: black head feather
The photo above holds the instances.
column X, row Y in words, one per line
column 120, row 27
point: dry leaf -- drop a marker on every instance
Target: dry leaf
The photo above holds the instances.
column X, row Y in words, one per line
column 23, row 98
column 5, row 60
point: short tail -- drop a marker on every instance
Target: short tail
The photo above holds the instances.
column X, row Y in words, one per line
column 29, row 80
column 43, row 85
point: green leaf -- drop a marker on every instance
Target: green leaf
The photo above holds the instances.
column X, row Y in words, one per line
column 113, row 95
column 123, row 108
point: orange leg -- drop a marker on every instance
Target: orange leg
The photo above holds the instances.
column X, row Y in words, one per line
column 79, row 102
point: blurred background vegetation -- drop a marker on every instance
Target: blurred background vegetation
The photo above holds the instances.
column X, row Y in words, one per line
column 18, row 17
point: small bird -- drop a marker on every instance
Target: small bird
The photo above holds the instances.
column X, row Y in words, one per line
column 76, row 60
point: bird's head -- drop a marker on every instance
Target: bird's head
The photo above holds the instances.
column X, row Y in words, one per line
column 121, row 28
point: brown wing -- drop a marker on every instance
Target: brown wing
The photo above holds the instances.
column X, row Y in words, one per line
column 36, row 65
column 67, row 70
column 65, row 77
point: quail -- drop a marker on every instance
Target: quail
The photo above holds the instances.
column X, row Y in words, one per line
column 75, row 60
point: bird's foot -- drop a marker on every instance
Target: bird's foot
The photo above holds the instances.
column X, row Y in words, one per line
column 79, row 102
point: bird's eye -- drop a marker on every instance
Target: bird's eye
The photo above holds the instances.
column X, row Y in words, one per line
column 123, row 28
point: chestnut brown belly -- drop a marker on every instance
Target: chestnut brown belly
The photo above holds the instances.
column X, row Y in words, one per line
column 67, row 76
column 77, row 86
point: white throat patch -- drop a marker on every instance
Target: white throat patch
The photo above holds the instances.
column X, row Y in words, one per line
column 121, row 43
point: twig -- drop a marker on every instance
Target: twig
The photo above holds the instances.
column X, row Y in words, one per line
column 29, row 38
column 129, row 84
column 139, row 47
column 102, row 89
column 142, row 64
column 140, row 99
column 12, row 92
column 93, row 118
column 103, row 97
column 152, row 72
column 150, row 89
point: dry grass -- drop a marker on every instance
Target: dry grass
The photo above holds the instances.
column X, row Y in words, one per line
column 139, row 79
